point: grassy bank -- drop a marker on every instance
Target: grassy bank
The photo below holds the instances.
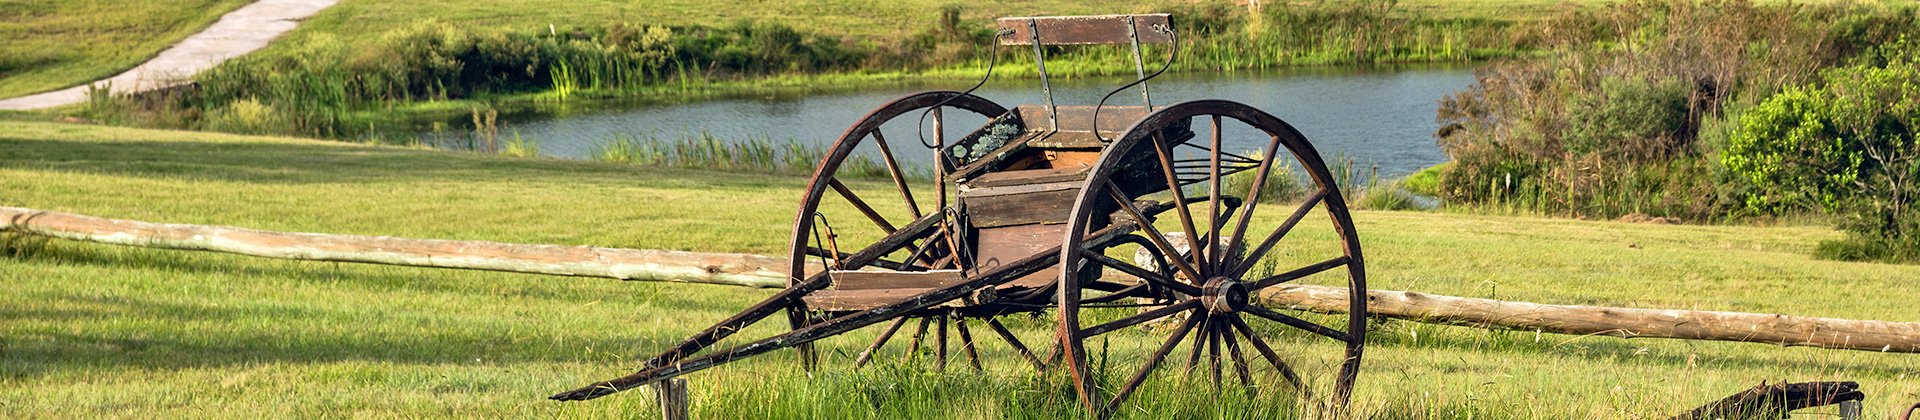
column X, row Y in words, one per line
column 103, row 331
column 55, row 44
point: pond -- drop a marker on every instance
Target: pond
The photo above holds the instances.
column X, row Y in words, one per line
column 1380, row 117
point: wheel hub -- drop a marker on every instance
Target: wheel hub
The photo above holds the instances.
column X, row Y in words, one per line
column 1224, row 295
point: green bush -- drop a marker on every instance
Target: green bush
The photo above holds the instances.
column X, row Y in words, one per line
column 1631, row 119
column 1844, row 145
column 1426, row 182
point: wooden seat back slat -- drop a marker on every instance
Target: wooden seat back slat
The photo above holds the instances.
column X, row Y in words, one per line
column 1086, row 30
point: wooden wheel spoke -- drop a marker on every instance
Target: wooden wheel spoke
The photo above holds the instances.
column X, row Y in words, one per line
column 940, row 344
column 1153, row 361
column 1140, row 318
column 865, row 355
column 1298, row 273
column 893, row 168
column 1014, row 342
column 1254, row 256
column 1142, row 273
column 1213, row 207
column 920, row 333
column 1179, row 197
column 966, row 342
column 1329, row 332
column 1153, row 234
column 1260, row 345
column 1199, row 346
column 1251, row 202
column 1240, row 366
column 861, row 205
column 892, row 242
column 1213, row 349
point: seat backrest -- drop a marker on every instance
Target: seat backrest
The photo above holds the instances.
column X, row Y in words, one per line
column 1086, row 30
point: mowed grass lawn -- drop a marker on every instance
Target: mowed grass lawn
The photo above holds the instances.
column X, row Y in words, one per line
column 54, row 44
column 91, row 330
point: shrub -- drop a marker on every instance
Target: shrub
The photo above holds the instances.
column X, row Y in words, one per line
column 1844, row 145
column 1612, row 122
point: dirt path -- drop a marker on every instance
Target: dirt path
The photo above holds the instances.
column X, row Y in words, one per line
column 239, row 32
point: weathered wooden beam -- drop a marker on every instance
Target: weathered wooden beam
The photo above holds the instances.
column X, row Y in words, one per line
column 580, row 261
column 1785, row 330
column 763, row 271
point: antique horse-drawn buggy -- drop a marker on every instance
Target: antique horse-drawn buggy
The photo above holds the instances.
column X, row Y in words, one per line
column 1020, row 216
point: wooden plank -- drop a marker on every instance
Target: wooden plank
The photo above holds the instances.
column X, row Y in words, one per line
column 1029, row 177
column 1020, row 204
column 999, row 245
column 1114, row 119
column 869, row 280
column 1086, row 30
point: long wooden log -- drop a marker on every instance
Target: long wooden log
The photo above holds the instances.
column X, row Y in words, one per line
column 581, row 261
column 1785, row 330
column 763, row 271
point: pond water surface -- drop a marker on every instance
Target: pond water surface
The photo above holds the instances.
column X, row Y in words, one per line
column 1377, row 116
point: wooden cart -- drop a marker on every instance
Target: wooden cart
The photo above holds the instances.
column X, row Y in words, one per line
column 1021, row 215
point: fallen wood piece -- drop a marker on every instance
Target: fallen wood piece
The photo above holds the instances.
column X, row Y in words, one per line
column 1772, row 402
column 764, row 271
column 581, row 261
column 1785, row 330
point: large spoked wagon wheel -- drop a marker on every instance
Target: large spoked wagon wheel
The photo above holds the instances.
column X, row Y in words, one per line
column 1215, row 286
column 863, row 191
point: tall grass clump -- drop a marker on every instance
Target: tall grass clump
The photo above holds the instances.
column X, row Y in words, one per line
column 1624, row 120
column 706, row 151
column 1282, row 185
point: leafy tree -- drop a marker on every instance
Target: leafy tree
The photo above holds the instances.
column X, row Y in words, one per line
column 1845, row 145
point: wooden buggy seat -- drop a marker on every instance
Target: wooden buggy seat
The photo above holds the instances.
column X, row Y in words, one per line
column 1020, row 173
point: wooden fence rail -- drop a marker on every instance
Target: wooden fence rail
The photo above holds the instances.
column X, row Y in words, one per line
column 762, row 271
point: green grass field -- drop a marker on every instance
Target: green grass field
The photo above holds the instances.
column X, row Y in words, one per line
column 104, row 331
column 53, row 44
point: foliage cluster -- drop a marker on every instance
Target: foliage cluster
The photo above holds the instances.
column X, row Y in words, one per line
column 1630, row 112
column 1844, row 144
